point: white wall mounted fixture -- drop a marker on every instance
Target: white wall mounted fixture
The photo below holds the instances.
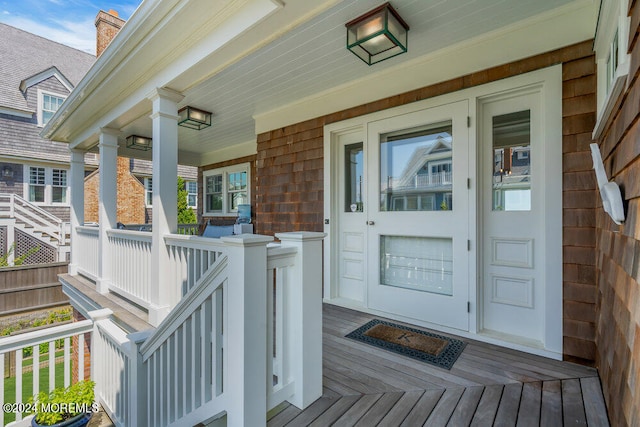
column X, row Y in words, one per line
column 609, row 191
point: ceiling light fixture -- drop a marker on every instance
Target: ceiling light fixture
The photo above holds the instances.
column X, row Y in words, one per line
column 194, row 118
column 139, row 142
column 377, row 35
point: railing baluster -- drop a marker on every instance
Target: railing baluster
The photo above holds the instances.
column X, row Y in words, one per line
column 52, row 365
column 80, row 357
column 18, row 382
column 36, row 369
column 270, row 326
column 279, row 321
column 67, row 363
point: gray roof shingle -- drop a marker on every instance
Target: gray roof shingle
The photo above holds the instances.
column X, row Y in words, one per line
column 23, row 55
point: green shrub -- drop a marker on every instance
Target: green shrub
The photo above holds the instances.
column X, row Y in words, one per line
column 73, row 401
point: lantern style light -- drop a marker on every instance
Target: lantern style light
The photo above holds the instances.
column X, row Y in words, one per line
column 7, row 172
column 194, row 118
column 377, row 35
column 139, row 142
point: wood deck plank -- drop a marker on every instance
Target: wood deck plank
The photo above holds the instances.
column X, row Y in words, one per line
column 422, row 408
column 401, row 409
column 467, row 405
column 378, row 411
column 393, row 374
column 332, row 380
column 353, row 414
column 572, row 403
column 488, row 385
column 442, row 412
column 488, row 406
column 551, row 410
column 507, row 414
column 438, row 377
column 335, row 411
column 529, row 412
column 595, row 409
column 313, row 411
column 283, row 417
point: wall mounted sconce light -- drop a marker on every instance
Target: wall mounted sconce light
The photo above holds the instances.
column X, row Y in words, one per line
column 194, row 118
column 377, row 35
column 7, row 172
column 609, row 191
column 139, row 142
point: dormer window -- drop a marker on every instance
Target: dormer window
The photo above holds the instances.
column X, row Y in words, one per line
column 48, row 104
column 612, row 59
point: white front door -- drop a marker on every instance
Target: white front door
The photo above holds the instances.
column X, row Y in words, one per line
column 417, row 239
column 418, row 215
column 514, row 180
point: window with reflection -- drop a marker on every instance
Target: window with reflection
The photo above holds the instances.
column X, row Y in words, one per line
column 416, row 169
column 353, row 170
column 512, row 161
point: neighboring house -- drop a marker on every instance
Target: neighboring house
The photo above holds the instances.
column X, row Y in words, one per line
column 522, row 256
column 133, row 175
column 36, row 76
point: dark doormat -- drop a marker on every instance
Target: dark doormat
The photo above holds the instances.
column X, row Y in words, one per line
column 435, row 349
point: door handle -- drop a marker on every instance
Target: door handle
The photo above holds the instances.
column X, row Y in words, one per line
column 370, row 222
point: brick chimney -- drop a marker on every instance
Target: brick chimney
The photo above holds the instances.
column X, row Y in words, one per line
column 107, row 26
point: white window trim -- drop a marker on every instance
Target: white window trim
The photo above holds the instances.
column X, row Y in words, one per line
column 41, row 94
column 612, row 20
column 147, row 190
column 48, row 185
column 225, row 171
column 186, row 187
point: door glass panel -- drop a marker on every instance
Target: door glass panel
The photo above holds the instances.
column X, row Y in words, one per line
column 512, row 162
column 353, row 169
column 416, row 169
column 419, row 263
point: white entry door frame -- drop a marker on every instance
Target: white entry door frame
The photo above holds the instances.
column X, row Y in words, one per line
column 548, row 83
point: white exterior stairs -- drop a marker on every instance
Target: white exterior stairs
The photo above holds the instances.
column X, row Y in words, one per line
column 19, row 214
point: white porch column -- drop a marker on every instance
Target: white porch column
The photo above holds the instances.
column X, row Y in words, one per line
column 107, row 203
column 76, row 180
column 305, row 314
column 164, row 218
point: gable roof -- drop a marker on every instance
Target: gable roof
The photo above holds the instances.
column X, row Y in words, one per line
column 25, row 57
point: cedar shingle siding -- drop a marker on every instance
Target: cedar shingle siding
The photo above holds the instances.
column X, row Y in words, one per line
column 618, row 252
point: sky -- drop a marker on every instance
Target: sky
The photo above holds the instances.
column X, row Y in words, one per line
column 70, row 22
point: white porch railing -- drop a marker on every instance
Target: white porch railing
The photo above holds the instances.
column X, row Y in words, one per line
column 211, row 355
column 280, row 263
column 36, row 222
column 112, row 353
column 55, row 339
column 419, row 182
column 130, row 262
column 87, row 251
column 191, row 257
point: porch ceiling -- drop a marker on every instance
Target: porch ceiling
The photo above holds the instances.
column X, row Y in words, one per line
column 312, row 59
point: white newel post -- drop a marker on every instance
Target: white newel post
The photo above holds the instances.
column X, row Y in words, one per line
column 246, row 329
column 96, row 356
column 76, row 180
column 164, row 120
column 305, row 316
column 138, row 399
column 107, row 209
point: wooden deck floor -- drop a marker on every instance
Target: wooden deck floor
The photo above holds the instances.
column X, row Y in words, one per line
column 488, row 385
